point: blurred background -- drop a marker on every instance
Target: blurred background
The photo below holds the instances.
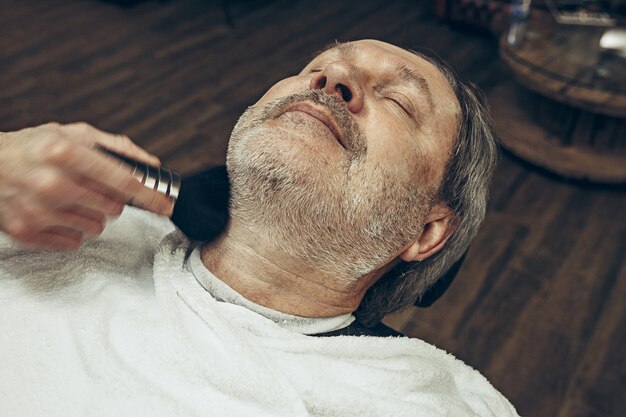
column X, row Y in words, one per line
column 538, row 306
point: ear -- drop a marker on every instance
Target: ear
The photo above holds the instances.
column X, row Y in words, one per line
column 437, row 230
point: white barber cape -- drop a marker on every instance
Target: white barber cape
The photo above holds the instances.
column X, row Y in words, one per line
column 123, row 327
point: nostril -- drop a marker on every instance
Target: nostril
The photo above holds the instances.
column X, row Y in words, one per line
column 345, row 92
column 321, row 82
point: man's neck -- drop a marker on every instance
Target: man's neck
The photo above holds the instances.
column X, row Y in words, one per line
column 275, row 280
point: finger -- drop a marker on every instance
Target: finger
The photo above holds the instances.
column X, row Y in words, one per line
column 70, row 220
column 88, row 213
column 56, row 238
column 153, row 201
column 96, row 167
column 35, row 217
column 124, row 146
column 50, row 238
column 121, row 144
column 86, row 221
column 54, row 190
column 94, row 196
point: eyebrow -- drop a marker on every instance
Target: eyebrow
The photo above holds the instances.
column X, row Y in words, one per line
column 405, row 73
column 419, row 82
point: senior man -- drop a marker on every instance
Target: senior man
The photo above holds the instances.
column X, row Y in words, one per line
column 354, row 185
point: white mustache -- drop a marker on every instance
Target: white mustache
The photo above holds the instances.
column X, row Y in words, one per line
column 355, row 139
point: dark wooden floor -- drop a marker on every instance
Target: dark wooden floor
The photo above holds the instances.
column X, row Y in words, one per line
column 539, row 304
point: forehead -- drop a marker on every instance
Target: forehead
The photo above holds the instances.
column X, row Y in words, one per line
column 372, row 48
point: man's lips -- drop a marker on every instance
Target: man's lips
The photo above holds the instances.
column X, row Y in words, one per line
column 320, row 115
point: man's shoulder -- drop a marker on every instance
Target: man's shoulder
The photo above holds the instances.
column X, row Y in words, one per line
column 415, row 367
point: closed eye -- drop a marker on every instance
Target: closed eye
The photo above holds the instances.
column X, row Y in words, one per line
column 403, row 104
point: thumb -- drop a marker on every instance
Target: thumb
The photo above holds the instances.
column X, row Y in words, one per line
column 126, row 147
column 120, row 144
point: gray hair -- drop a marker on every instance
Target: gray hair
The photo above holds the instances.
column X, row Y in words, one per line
column 464, row 189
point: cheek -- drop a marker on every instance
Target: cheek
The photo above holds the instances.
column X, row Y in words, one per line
column 404, row 155
column 283, row 88
column 391, row 144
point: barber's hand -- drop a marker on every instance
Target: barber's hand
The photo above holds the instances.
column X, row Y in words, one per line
column 56, row 190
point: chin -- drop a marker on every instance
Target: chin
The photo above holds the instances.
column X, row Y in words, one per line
column 279, row 159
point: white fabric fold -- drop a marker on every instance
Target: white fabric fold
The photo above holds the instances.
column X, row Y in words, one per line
column 123, row 328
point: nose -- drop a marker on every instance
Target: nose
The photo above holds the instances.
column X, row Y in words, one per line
column 342, row 80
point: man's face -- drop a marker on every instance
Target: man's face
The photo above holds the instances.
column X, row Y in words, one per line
column 339, row 165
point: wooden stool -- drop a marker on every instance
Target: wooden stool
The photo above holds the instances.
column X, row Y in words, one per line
column 570, row 115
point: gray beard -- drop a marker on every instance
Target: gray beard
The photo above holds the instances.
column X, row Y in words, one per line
column 336, row 218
